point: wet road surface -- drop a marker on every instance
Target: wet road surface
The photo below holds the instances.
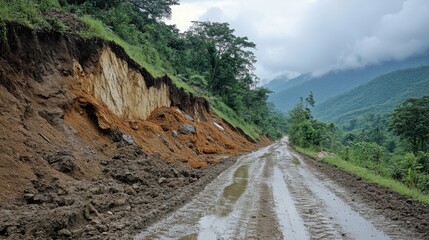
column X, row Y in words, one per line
column 272, row 194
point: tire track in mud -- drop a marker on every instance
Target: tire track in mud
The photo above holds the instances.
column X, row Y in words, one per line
column 329, row 211
column 316, row 221
column 265, row 224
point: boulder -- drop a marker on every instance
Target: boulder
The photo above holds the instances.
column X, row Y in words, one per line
column 118, row 136
column 187, row 129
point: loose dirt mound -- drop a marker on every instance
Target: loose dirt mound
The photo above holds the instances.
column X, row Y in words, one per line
column 71, row 166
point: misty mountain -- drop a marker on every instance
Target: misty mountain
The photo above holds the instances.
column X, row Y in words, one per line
column 378, row 96
column 283, row 82
column 335, row 83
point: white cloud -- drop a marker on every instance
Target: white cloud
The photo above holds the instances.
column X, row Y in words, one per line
column 318, row 35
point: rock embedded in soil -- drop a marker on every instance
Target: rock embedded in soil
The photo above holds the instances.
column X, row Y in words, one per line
column 63, row 161
column 189, row 117
column 64, row 232
column 128, row 139
column 130, row 191
column 187, row 129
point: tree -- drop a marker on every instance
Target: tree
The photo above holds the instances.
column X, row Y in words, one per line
column 149, row 9
column 309, row 101
column 298, row 124
column 155, row 9
column 410, row 121
column 305, row 131
column 227, row 60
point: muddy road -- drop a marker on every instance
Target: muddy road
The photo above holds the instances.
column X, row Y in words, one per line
column 273, row 193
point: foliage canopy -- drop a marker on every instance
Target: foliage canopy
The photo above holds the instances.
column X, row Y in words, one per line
column 410, row 120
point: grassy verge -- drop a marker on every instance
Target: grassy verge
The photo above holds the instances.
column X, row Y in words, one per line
column 309, row 152
column 369, row 176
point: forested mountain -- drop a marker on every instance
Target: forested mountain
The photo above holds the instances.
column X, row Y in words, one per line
column 378, row 96
column 283, row 82
column 335, row 83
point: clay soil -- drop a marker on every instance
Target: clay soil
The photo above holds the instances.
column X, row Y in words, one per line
column 405, row 212
column 134, row 190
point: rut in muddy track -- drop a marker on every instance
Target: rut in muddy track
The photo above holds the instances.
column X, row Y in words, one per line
column 274, row 193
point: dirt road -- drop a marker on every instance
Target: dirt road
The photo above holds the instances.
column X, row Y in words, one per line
column 273, row 193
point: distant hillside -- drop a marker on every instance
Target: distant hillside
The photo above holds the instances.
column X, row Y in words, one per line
column 283, row 82
column 379, row 96
column 335, row 83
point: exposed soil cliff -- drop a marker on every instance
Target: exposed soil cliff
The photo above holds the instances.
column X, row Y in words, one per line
column 92, row 144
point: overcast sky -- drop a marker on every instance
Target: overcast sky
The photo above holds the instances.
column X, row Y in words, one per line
column 300, row 36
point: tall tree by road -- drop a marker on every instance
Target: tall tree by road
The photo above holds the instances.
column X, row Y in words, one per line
column 410, row 121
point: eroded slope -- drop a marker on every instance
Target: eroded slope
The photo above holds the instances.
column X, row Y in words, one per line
column 88, row 138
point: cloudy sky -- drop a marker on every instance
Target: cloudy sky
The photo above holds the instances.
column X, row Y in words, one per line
column 301, row 36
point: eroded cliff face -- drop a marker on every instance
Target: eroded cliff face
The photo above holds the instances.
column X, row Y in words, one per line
column 124, row 99
column 122, row 89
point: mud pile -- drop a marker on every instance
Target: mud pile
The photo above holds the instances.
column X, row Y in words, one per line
column 92, row 144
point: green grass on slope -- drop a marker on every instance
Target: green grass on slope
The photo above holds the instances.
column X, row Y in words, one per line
column 28, row 13
column 227, row 114
column 369, row 176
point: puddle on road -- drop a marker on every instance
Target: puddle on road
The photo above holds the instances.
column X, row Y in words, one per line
column 233, row 192
column 216, row 225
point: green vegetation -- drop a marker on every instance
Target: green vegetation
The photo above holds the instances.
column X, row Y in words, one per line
column 304, row 130
column 208, row 60
column 410, row 120
column 376, row 155
column 28, row 13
